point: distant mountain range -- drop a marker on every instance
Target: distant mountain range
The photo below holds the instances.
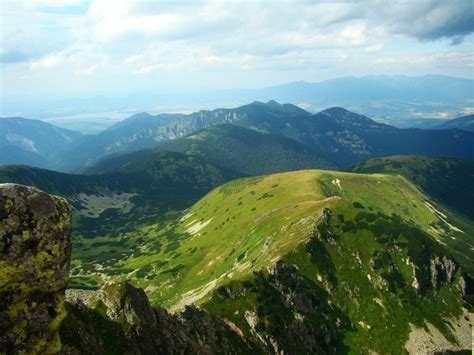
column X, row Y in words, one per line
column 394, row 99
column 234, row 148
column 33, row 142
column 465, row 123
column 285, row 137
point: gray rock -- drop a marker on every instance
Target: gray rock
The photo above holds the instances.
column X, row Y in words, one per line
column 35, row 255
column 130, row 325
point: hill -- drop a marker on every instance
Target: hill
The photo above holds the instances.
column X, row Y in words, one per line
column 314, row 256
column 465, row 123
column 345, row 138
column 144, row 130
column 245, row 151
column 449, row 181
column 33, row 142
column 121, row 200
column 339, row 136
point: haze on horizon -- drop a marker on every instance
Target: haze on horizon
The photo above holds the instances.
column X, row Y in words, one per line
column 76, row 48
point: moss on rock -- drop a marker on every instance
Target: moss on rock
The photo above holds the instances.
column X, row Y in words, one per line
column 35, row 255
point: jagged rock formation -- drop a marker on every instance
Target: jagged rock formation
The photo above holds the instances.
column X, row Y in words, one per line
column 122, row 321
column 35, row 254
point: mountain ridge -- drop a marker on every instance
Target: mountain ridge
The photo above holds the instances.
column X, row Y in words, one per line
column 244, row 150
column 463, row 123
column 33, row 142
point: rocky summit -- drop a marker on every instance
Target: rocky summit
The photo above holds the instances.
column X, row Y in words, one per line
column 35, row 254
column 119, row 319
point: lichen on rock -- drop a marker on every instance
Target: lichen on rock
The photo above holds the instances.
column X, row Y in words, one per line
column 35, row 255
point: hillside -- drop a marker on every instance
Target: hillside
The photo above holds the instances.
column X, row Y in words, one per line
column 337, row 136
column 127, row 197
column 144, row 130
column 245, row 151
column 322, row 269
column 312, row 237
column 33, row 142
column 465, row 123
column 349, row 138
column 449, row 181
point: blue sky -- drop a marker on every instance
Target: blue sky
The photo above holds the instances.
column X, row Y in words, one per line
column 74, row 48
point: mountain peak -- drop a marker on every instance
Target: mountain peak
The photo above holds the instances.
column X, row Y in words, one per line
column 140, row 115
column 465, row 123
column 273, row 103
column 336, row 110
column 348, row 118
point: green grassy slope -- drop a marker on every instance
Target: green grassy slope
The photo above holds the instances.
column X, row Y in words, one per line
column 106, row 206
column 353, row 287
column 247, row 224
column 304, row 261
column 449, row 182
column 329, row 255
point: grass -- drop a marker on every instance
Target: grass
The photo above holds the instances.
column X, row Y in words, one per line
column 360, row 275
column 371, row 304
column 243, row 226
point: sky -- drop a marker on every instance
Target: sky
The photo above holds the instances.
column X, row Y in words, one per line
column 75, row 48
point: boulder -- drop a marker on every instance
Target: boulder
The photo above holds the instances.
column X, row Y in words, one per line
column 35, row 255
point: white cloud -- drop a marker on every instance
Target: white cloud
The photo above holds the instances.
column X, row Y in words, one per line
column 147, row 68
column 353, row 34
column 384, row 60
column 133, row 59
column 88, row 71
column 375, row 48
column 299, row 40
column 47, row 62
column 51, row 3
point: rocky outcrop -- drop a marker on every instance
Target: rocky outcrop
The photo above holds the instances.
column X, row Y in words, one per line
column 35, row 254
column 122, row 321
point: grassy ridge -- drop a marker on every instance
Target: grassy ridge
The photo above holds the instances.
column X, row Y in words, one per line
column 353, row 287
column 449, row 183
column 248, row 224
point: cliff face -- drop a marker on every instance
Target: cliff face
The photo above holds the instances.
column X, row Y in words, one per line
column 35, row 254
column 120, row 320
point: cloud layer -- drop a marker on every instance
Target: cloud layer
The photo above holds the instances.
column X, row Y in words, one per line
column 102, row 45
